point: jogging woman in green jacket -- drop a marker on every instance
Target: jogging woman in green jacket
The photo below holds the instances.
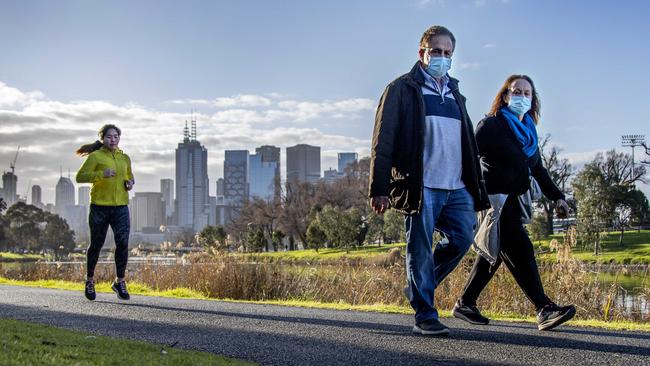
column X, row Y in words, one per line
column 109, row 171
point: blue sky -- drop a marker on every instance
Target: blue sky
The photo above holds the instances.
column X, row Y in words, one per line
column 284, row 72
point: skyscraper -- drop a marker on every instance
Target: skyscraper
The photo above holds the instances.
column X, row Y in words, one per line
column 192, row 181
column 167, row 191
column 9, row 182
column 345, row 159
column 271, row 154
column 262, row 177
column 84, row 196
column 220, row 187
column 64, row 195
column 235, row 177
column 303, row 163
column 37, row 196
column 146, row 210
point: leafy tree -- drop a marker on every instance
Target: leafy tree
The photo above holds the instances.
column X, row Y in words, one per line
column 57, row 236
column 538, row 227
column 603, row 192
column 316, row 238
column 26, row 223
column 394, row 226
column 212, row 237
column 277, row 238
column 376, row 228
column 255, row 239
column 340, row 227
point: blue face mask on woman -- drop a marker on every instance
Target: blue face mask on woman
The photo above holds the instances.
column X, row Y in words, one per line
column 438, row 66
column 519, row 105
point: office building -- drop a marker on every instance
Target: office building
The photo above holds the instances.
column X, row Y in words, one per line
column 303, row 163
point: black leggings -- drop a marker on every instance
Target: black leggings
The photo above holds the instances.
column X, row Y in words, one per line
column 517, row 253
column 99, row 219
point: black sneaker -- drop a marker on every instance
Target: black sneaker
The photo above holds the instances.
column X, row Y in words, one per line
column 431, row 327
column 469, row 313
column 120, row 290
column 552, row 315
column 89, row 291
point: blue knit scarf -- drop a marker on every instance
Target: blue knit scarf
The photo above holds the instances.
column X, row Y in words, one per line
column 524, row 130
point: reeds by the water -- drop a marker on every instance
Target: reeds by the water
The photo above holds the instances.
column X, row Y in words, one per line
column 378, row 280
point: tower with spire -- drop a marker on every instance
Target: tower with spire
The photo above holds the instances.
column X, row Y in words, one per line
column 192, row 204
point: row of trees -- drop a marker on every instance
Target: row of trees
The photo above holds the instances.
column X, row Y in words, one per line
column 27, row 228
column 323, row 214
column 337, row 214
column 603, row 194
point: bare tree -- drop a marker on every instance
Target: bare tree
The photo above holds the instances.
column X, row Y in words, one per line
column 560, row 170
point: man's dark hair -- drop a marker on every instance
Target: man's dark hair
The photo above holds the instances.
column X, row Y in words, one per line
column 437, row 30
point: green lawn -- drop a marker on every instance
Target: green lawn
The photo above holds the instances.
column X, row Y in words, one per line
column 635, row 249
column 16, row 257
column 25, row 343
column 328, row 254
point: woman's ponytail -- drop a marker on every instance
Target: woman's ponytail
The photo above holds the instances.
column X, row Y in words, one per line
column 88, row 148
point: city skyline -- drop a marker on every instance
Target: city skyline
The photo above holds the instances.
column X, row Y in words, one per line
column 69, row 67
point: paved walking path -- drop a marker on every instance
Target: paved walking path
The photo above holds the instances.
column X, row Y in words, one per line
column 278, row 335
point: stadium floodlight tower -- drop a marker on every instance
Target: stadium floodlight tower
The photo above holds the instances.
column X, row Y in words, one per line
column 633, row 141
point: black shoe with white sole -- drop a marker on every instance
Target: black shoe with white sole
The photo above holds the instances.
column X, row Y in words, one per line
column 431, row 327
column 552, row 315
column 120, row 290
column 89, row 290
column 469, row 313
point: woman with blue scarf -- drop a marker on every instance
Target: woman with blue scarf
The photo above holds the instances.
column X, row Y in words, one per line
column 508, row 147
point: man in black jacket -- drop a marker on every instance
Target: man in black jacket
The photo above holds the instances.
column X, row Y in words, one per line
column 424, row 164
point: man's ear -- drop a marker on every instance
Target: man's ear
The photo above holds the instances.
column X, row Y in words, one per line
column 421, row 54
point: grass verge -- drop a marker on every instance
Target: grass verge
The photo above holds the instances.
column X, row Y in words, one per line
column 184, row 293
column 635, row 249
column 26, row 343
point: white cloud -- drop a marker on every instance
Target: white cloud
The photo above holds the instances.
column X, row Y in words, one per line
column 489, row 45
column 10, row 97
column 49, row 132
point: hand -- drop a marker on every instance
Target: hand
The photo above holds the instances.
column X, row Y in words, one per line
column 561, row 209
column 380, row 204
column 128, row 184
column 108, row 173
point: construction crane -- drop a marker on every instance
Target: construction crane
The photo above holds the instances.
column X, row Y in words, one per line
column 12, row 165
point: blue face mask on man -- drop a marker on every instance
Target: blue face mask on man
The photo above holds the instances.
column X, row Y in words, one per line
column 519, row 105
column 438, row 66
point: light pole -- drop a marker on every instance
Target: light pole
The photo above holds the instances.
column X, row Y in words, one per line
column 633, row 141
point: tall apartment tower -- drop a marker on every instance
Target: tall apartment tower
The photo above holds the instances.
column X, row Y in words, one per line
column 8, row 192
column 270, row 156
column 303, row 163
column 64, row 195
column 84, row 196
column 167, row 191
column 146, row 210
column 192, row 181
column 37, row 199
column 235, row 177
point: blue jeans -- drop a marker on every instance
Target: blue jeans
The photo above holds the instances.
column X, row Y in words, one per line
column 452, row 213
